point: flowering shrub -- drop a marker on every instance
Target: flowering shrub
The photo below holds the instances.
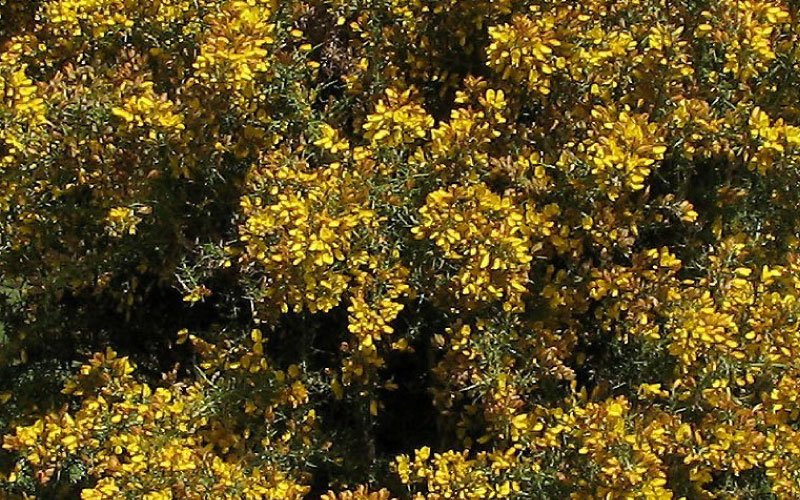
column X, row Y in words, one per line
column 399, row 249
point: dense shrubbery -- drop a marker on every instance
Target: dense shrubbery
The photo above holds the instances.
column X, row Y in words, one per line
column 378, row 249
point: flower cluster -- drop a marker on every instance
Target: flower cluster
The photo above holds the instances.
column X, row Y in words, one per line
column 485, row 234
column 135, row 440
column 302, row 231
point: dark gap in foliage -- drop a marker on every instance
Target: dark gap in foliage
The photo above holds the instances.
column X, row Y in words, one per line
column 16, row 16
column 410, row 420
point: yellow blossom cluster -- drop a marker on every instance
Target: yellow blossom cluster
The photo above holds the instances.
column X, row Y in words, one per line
column 233, row 52
column 136, row 440
column 459, row 146
column 527, row 50
column 775, row 142
column 122, row 221
column 485, row 235
column 147, row 108
column 22, row 109
column 302, row 231
column 396, row 120
column 450, row 475
column 360, row 493
column 69, row 18
column 621, row 151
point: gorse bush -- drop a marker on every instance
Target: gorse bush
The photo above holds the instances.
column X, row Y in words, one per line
column 399, row 249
